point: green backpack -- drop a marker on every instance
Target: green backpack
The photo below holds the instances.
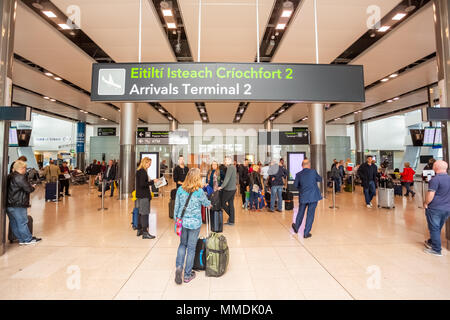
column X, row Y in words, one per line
column 217, row 255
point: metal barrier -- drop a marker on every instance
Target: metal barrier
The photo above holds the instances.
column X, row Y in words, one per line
column 103, row 197
column 334, row 196
column 353, row 183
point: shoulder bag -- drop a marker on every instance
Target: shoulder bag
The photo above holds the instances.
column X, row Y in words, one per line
column 179, row 221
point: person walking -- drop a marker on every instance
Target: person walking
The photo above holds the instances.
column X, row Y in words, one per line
column 180, row 172
column 276, row 174
column 309, row 195
column 228, row 188
column 18, row 200
column 188, row 202
column 408, row 179
column 144, row 197
column 368, row 174
column 109, row 176
column 244, row 180
column 255, row 187
column 65, row 179
column 437, row 205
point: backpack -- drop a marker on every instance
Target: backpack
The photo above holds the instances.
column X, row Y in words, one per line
column 217, row 255
column 215, row 201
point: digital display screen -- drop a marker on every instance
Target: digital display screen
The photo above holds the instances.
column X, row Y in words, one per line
column 153, row 171
column 438, row 138
column 295, row 160
column 428, row 137
column 13, row 138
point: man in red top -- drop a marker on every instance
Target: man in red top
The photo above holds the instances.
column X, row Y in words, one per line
column 408, row 178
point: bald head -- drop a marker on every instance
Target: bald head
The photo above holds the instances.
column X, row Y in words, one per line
column 440, row 166
column 306, row 164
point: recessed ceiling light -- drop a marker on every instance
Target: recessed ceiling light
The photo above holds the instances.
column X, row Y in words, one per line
column 49, row 14
column 52, row 100
column 389, row 101
column 271, row 118
column 205, row 118
column 286, row 13
column 48, row 74
column 337, row 119
column 37, row 5
column 397, row 98
column 410, row 8
column 64, row 26
column 394, row 75
column 399, row 16
column 281, row 26
column 47, row 98
column 161, row 110
column 242, row 110
column 238, row 118
column 384, row 29
column 170, row 118
column 167, row 12
column 171, row 25
column 306, row 118
column 384, row 80
column 281, row 110
column 57, row 78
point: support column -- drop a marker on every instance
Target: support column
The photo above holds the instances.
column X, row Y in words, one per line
column 174, row 149
column 7, row 24
column 81, row 143
column 173, row 125
column 441, row 10
column 127, row 164
column 316, row 122
column 359, row 140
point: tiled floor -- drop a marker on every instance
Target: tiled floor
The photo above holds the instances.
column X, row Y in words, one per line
column 355, row 253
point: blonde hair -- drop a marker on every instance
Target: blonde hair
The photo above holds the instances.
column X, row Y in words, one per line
column 19, row 164
column 144, row 162
column 407, row 165
column 256, row 168
column 193, row 180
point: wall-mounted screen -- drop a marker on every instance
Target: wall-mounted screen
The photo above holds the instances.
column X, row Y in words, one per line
column 154, row 167
column 13, row 138
column 294, row 164
column 428, row 136
column 417, row 136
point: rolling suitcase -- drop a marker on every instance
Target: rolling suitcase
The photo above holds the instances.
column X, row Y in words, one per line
column 289, row 205
column 171, row 208
column 12, row 238
column 50, row 191
column 386, row 198
column 135, row 221
column 216, row 220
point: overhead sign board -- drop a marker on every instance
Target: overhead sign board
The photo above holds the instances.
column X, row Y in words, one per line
column 227, row 81
column 284, row 138
column 438, row 114
column 145, row 137
column 105, row 132
column 15, row 113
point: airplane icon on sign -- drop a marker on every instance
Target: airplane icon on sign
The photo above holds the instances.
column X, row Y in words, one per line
column 111, row 82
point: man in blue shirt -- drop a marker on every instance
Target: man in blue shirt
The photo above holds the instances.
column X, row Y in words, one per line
column 308, row 194
column 437, row 205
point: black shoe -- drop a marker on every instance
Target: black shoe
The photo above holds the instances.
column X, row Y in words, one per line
column 279, row 210
column 68, row 195
column 309, row 235
column 413, row 195
column 428, row 244
column 178, row 274
column 294, row 227
column 147, row 235
column 139, row 233
column 230, row 223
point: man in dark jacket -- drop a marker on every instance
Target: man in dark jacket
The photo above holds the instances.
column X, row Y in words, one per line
column 228, row 188
column 368, row 174
column 244, row 180
column 109, row 176
column 18, row 200
column 309, row 195
column 277, row 174
column 180, row 172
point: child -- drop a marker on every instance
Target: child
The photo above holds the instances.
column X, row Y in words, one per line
column 247, row 198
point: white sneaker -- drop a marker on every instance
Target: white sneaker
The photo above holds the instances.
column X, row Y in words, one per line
column 369, row 206
column 33, row 241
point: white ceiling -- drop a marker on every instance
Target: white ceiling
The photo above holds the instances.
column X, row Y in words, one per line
column 228, row 34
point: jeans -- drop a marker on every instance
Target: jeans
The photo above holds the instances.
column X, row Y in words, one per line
column 18, row 219
column 64, row 186
column 337, row 184
column 309, row 217
column 188, row 240
column 228, row 203
column 408, row 189
column 436, row 220
column 254, row 197
column 276, row 192
column 370, row 192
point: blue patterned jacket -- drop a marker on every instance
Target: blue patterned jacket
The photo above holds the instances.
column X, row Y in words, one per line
column 193, row 215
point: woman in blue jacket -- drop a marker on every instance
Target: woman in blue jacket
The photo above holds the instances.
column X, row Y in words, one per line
column 192, row 222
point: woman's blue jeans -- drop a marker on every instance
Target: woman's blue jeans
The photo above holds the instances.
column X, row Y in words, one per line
column 188, row 242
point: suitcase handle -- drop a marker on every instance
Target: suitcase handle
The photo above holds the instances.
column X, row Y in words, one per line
column 208, row 222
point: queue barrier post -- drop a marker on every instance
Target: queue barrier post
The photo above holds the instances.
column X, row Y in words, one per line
column 334, row 196
column 103, row 197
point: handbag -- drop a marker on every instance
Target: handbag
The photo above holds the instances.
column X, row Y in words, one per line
column 179, row 221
